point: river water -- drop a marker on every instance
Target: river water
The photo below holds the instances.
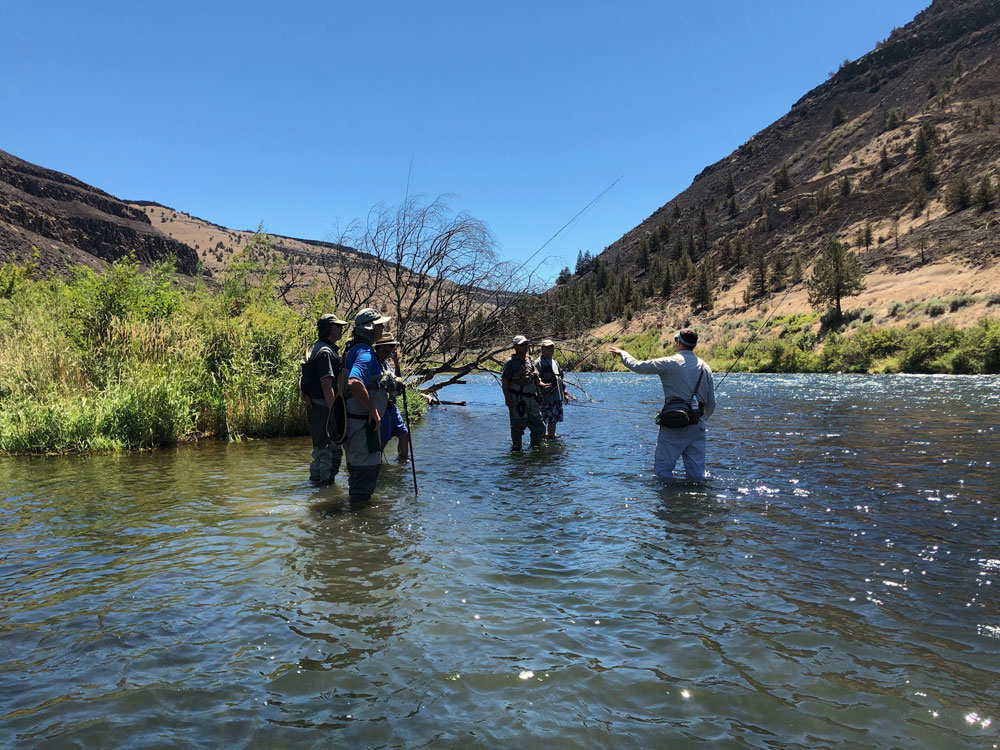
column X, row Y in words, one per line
column 834, row 584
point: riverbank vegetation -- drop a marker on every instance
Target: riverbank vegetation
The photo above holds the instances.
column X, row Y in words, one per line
column 805, row 343
column 130, row 359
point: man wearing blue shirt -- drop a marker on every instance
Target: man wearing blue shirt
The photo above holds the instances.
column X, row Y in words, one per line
column 366, row 403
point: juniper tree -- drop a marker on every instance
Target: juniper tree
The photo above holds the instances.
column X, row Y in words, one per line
column 667, row 284
column 779, row 272
column 927, row 138
column 701, row 289
column 730, row 186
column 824, row 198
column 782, row 180
column 985, row 195
column 836, row 274
column 928, row 171
column 845, row 186
column 642, row 256
column 958, row 196
column 838, row 118
column 758, row 276
column 795, row 275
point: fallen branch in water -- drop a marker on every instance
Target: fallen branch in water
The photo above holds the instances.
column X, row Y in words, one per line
column 433, row 400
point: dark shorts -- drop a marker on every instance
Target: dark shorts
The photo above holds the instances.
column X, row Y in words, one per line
column 392, row 425
column 552, row 412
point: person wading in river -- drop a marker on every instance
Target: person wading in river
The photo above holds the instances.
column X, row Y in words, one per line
column 553, row 388
column 686, row 379
column 520, row 383
column 392, row 422
column 366, row 401
column 317, row 384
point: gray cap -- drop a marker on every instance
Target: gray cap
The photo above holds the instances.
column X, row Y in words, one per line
column 518, row 340
column 369, row 315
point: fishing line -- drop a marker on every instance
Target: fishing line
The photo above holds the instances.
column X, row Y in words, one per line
column 767, row 320
column 524, row 264
column 578, row 215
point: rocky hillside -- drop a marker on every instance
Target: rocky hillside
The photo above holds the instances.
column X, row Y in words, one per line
column 897, row 155
column 70, row 222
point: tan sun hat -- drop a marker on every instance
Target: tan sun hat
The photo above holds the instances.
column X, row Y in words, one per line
column 547, row 342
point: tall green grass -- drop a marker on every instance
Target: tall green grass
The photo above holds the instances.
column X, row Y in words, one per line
column 127, row 359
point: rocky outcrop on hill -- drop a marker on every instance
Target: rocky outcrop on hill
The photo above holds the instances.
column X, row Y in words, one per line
column 69, row 222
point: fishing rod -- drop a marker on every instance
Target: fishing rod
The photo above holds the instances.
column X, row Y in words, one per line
column 760, row 328
column 406, row 419
column 579, row 214
column 768, row 318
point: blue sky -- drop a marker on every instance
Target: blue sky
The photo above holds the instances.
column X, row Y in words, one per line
column 303, row 115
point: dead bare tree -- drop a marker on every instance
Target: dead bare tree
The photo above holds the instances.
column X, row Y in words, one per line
column 440, row 277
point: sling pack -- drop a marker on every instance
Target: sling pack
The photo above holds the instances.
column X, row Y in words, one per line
column 676, row 419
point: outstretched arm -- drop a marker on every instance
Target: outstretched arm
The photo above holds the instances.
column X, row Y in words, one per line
column 645, row 367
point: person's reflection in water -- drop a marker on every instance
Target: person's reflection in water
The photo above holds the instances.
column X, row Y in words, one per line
column 345, row 612
column 689, row 509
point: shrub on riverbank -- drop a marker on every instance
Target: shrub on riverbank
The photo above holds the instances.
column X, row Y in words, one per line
column 789, row 344
column 127, row 360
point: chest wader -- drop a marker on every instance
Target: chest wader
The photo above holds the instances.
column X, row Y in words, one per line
column 362, row 446
column 526, row 411
column 326, row 454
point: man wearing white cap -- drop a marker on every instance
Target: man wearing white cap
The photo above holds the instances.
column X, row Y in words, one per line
column 553, row 388
column 520, row 384
column 686, row 379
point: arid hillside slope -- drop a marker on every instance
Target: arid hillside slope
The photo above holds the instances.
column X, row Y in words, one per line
column 874, row 156
column 70, row 223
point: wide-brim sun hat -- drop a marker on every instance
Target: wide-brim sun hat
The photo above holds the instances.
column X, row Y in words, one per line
column 518, row 340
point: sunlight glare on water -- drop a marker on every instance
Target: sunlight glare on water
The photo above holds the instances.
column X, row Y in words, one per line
column 831, row 585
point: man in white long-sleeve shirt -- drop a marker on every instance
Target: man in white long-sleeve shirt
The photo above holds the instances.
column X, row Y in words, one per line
column 686, row 379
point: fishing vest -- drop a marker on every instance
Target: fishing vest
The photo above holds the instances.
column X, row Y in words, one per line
column 547, row 374
column 311, row 380
column 524, row 379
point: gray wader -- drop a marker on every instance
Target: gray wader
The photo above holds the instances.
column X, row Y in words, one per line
column 363, row 448
column 326, row 454
column 525, row 413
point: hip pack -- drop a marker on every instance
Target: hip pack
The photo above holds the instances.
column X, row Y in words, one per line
column 675, row 418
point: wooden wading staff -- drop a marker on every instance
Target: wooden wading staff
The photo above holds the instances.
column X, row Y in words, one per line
column 406, row 421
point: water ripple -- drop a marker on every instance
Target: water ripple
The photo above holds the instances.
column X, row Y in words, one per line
column 832, row 584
